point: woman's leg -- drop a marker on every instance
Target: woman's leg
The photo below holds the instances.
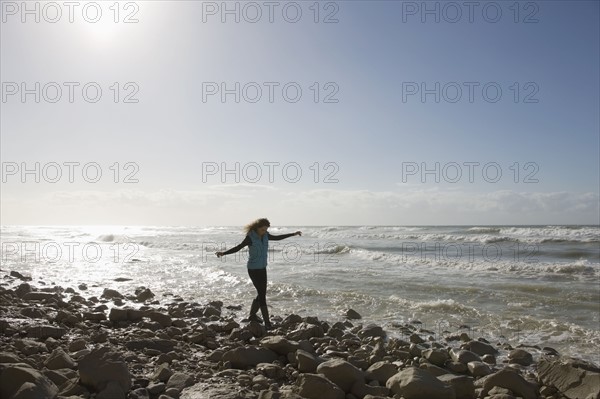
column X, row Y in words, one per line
column 259, row 279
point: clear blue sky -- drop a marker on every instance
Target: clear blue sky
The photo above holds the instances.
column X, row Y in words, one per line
column 374, row 50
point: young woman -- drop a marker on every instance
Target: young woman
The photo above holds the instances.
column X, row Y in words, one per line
column 257, row 240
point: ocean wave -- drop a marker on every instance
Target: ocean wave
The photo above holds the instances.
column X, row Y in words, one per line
column 480, row 230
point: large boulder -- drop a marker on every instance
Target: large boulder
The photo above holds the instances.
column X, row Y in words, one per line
column 381, row 371
column 100, row 367
column 573, row 378
column 520, row 356
column 341, row 373
column 307, row 362
column 509, row 379
column 243, row 357
column 462, row 385
column 414, row 383
column 280, row 344
column 18, row 382
column 315, row 386
column 480, row 348
column 59, row 360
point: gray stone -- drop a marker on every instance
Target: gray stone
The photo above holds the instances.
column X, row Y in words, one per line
column 23, row 382
column 414, row 383
column 316, row 386
column 249, row 356
column 341, row 373
column 573, row 378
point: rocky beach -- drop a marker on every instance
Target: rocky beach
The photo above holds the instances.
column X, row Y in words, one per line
column 62, row 343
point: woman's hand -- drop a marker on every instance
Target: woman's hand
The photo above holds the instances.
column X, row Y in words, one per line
column 298, row 233
column 219, row 254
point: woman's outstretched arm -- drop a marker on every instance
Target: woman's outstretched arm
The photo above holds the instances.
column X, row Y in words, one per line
column 283, row 236
column 236, row 248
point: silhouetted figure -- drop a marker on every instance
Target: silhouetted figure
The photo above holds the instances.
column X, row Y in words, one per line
column 257, row 240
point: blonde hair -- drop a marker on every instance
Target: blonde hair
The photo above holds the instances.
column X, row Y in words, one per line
column 256, row 224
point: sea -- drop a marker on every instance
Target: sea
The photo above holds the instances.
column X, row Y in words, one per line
column 525, row 285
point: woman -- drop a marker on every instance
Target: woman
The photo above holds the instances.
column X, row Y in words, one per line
column 257, row 239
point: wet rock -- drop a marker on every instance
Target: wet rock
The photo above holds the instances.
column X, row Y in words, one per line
column 23, row 382
column 478, row 369
column 162, row 373
column 39, row 296
column 43, row 332
column 480, row 348
column 7, row 357
column 20, row 276
column 414, row 383
column 111, row 294
column 30, row 347
column 23, row 289
column 94, row 316
column 117, row 315
column 112, row 390
column 162, row 345
column 360, row 390
column 163, row 319
column 315, row 386
column 520, row 356
column 371, row 330
column 573, row 378
column 353, row 314
column 143, row 294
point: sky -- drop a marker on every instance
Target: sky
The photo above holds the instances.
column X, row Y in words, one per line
column 308, row 113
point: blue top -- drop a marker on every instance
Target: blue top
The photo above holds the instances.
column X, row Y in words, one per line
column 258, row 248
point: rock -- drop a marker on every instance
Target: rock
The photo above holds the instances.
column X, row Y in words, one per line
column 180, row 381
column 353, row 314
column 111, row 294
column 100, row 367
column 20, row 276
column 22, row 289
column 573, row 378
column 163, row 319
column 414, row 383
column 461, row 384
column 315, row 386
column 280, row 344
column 140, row 393
column 464, row 356
column 162, row 373
column 112, row 390
column 306, row 331
column 381, row 371
column 489, row 359
column 360, row 390
column 341, row 373
column 7, row 357
column 24, row 382
column 371, row 330
column 480, row 348
column 77, row 345
column 249, row 356
column 509, row 379
column 520, row 356
column 94, row 316
column 416, row 339
column 211, row 311
column 43, row 332
column 436, row 356
column 142, row 294
column 117, row 315
column 162, row 345
column 30, row 347
column 59, row 360
column 478, row 369
column 33, row 312
column 307, row 362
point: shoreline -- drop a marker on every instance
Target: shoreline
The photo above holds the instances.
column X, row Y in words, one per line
column 59, row 343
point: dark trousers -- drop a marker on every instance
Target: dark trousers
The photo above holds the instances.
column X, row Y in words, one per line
column 259, row 279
